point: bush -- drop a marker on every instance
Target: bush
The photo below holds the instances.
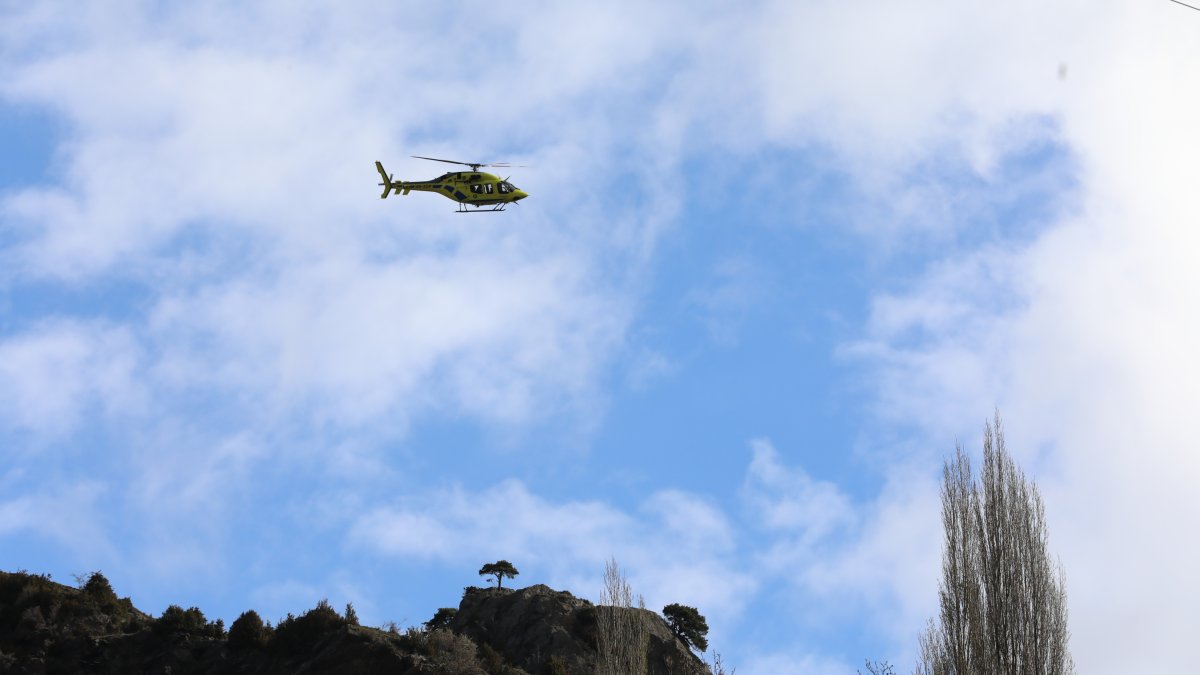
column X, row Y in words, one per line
column 413, row 639
column 298, row 635
column 178, row 621
column 99, row 590
column 441, row 618
column 452, row 653
column 248, row 632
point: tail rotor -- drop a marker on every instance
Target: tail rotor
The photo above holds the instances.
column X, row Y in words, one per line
column 388, row 183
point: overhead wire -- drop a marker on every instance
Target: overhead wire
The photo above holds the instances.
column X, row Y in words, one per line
column 1186, row 5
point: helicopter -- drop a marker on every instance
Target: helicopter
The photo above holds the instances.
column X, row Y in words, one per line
column 472, row 189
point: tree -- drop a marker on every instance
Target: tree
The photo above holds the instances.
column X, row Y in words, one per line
column 718, row 666
column 441, row 619
column 297, row 635
column 499, row 570
column 622, row 635
column 98, row 588
column 248, row 632
column 879, row 668
column 176, row 620
column 688, row 625
column 1003, row 603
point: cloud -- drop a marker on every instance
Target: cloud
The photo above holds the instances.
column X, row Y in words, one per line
column 678, row 547
column 52, row 373
column 1082, row 338
column 790, row 500
column 228, row 177
column 358, row 340
column 829, row 559
column 225, row 173
column 66, row 514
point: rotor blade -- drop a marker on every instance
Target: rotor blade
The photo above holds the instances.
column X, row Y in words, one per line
column 448, row 161
column 473, row 165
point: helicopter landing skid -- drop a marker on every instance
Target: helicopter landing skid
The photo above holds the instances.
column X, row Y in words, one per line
column 462, row 208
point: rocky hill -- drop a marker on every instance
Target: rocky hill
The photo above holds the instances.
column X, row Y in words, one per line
column 47, row 627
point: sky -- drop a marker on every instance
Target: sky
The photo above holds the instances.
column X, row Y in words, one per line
column 779, row 258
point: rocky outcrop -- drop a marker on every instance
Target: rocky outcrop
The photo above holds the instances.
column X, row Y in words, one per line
column 541, row 630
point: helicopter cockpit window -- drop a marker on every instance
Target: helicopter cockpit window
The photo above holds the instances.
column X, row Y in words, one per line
column 489, row 188
column 505, row 188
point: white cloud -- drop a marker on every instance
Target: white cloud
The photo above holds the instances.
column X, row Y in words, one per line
column 1083, row 338
column 230, row 176
column 790, row 500
column 835, row 561
column 220, row 157
column 51, row 373
column 681, row 550
column 66, row 514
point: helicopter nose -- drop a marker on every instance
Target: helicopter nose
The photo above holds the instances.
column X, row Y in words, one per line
column 518, row 195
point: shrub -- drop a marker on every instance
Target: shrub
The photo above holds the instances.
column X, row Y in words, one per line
column 441, row 619
column 413, row 639
column 178, row 621
column 248, row 632
column 99, row 590
column 452, row 653
column 297, row 635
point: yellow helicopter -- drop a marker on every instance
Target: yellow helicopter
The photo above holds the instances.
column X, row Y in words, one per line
column 475, row 189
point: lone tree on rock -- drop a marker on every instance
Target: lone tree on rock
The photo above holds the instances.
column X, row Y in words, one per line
column 499, row 570
column 688, row 625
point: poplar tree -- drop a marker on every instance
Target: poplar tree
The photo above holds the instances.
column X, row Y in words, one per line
column 1003, row 601
column 622, row 634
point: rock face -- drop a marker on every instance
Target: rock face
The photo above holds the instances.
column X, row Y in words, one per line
column 529, row 626
column 46, row 627
column 541, row 630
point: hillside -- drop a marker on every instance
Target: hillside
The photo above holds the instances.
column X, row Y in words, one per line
column 47, row 627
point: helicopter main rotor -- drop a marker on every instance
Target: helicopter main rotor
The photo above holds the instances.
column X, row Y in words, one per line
column 474, row 165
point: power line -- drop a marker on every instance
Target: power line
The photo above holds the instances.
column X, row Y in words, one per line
column 1185, row 5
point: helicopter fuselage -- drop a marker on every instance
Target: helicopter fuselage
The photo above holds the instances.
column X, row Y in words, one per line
column 469, row 188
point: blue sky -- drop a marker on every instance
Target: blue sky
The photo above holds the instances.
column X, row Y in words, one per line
column 778, row 259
